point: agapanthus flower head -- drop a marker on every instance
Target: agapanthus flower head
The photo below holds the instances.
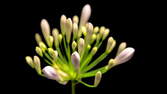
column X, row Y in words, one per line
column 70, row 51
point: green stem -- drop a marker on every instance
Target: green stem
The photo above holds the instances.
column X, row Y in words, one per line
column 73, row 87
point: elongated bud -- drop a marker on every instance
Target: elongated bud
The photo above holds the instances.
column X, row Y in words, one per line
column 62, row 24
column 122, row 46
column 52, row 53
column 75, row 19
column 38, row 38
column 75, row 30
column 96, row 29
column 111, row 63
column 51, row 41
column 105, row 33
column 37, row 64
column 110, row 44
column 29, row 61
column 93, row 38
column 85, row 14
column 76, row 61
column 97, row 78
column 125, row 55
column 60, row 38
column 81, row 44
column 94, row 50
column 39, row 51
column 51, row 73
column 89, row 33
column 42, row 46
column 55, row 34
column 74, row 45
column 45, row 30
column 69, row 29
column 100, row 34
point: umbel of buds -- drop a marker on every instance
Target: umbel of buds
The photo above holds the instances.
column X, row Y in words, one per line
column 70, row 51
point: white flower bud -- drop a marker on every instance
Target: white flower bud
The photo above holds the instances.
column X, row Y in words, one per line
column 37, row 64
column 81, row 44
column 75, row 19
column 125, row 55
column 50, row 73
column 122, row 46
column 68, row 29
column 45, row 30
column 94, row 50
column 38, row 38
column 76, row 61
column 53, row 74
column 62, row 24
column 110, row 44
column 60, row 38
column 29, row 61
column 75, row 30
column 55, row 34
column 97, row 78
column 85, row 14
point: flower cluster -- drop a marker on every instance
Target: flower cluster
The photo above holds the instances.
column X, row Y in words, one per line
column 70, row 52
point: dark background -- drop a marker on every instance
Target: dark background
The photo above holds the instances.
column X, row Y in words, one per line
column 128, row 21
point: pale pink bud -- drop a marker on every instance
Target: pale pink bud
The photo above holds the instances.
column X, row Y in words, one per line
column 50, row 73
column 125, row 55
column 86, row 12
column 75, row 60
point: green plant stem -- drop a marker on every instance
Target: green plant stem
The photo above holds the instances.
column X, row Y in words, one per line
column 73, row 87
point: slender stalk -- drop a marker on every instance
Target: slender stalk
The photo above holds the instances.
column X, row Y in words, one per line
column 73, row 87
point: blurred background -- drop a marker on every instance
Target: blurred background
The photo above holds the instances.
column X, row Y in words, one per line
column 128, row 22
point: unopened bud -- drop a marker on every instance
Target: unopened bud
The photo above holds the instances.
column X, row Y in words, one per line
column 98, row 77
column 29, row 61
column 68, row 29
column 62, row 24
column 105, row 33
column 94, row 50
column 52, row 53
column 39, row 51
column 110, row 44
column 51, row 73
column 74, row 45
column 75, row 19
column 55, row 34
column 96, row 29
column 60, row 38
column 38, row 38
column 122, row 46
column 76, row 61
column 37, row 64
column 45, row 30
column 85, row 14
column 75, row 30
column 125, row 55
column 42, row 46
column 81, row 44
column 111, row 63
